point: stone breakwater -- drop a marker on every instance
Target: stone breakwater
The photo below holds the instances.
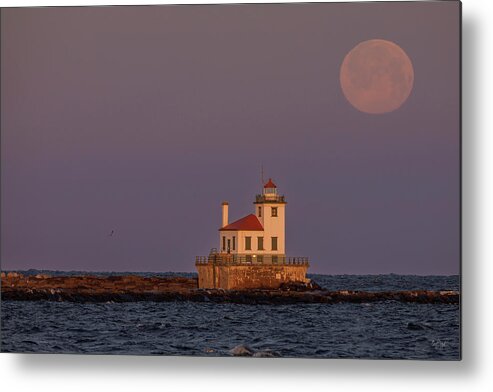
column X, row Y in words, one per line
column 131, row 288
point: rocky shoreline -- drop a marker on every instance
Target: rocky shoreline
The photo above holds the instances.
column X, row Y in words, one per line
column 132, row 288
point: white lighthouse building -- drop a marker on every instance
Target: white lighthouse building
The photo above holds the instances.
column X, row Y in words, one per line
column 260, row 235
column 252, row 250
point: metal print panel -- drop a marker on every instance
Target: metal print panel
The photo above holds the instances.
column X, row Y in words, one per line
column 264, row 180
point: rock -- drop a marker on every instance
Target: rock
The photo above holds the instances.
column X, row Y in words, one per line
column 85, row 288
column 300, row 286
column 266, row 354
column 314, row 285
column 241, row 351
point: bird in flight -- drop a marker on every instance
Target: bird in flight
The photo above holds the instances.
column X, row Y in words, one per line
column 111, row 234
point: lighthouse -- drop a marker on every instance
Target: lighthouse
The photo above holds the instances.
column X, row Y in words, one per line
column 252, row 249
column 260, row 235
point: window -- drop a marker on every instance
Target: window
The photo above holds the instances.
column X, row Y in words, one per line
column 260, row 259
column 248, row 243
column 274, row 259
column 274, row 243
column 274, row 211
column 260, row 212
column 224, row 243
column 234, row 242
column 260, row 243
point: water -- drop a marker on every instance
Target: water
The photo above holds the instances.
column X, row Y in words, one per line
column 374, row 330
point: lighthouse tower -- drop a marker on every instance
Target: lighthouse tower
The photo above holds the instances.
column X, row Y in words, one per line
column 270, row 209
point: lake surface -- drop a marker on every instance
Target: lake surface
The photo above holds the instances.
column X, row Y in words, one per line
column 374, row 330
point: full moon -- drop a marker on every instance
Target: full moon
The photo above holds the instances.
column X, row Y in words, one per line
column 377, row 76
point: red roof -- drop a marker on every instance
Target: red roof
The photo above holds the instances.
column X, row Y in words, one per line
column 249, row 222
column 270, row 184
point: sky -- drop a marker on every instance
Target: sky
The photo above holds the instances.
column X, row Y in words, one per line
column 143, row 119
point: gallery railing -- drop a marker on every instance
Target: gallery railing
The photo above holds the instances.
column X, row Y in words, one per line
column 271, row 198
column 225, row 258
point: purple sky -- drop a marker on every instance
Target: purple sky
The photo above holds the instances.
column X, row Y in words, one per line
column 144, row 119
